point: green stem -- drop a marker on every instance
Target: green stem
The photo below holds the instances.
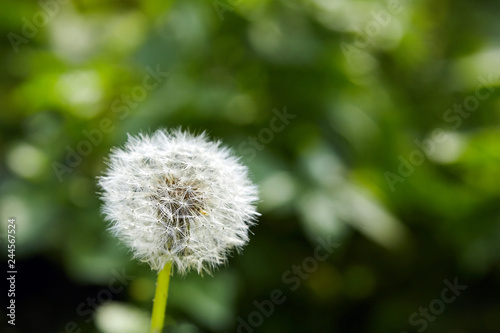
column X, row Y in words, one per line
column 160, row 301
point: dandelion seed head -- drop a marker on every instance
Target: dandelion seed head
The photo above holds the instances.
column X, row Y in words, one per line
column 174, row 196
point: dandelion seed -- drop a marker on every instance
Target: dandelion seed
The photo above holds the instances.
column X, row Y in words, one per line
column 175, row 197
column 177, row 200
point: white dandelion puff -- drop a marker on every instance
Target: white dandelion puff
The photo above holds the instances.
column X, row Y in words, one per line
column 180, row 198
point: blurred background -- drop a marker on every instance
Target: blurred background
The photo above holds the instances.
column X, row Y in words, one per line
column 374, row 125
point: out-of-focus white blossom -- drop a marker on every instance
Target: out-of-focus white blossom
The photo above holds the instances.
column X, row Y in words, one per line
column 173, row 196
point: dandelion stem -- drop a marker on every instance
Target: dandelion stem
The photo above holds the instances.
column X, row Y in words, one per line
column 160, row 301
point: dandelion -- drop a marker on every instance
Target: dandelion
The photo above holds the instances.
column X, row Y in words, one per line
column 177, row 200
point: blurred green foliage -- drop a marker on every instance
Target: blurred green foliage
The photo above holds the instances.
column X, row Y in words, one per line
column 361, row 81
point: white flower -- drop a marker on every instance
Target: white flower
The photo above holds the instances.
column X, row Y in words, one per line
column 177, row 197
